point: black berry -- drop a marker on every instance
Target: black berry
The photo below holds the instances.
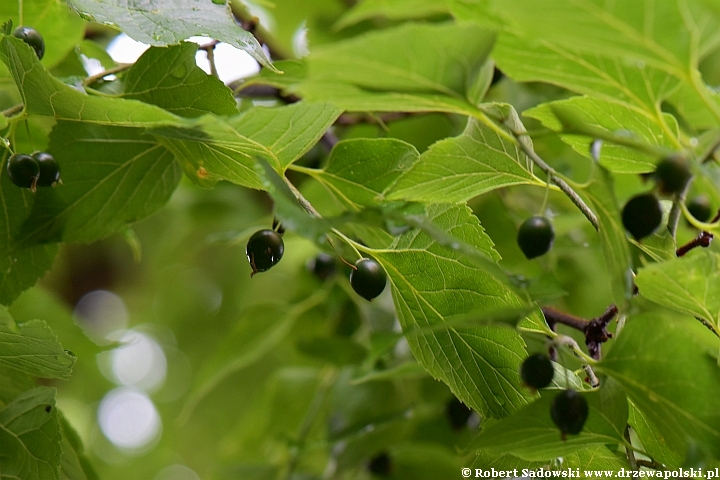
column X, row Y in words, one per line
column 32, row 38
column 457, row 413
column 537, row 371
column 535, row 236
column 642, row 215
column 23, row 170
column 264, row 249
column 380, row 465
column 323, row 266
column 49, row 169
column 672, row 174
column 569, row 410
column 368, row 278
column 699, row 207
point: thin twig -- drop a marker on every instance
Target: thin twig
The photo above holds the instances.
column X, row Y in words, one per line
column 12, row 111
column 650, row 464
column 595, row 330
column 674, row 216
column 209, row 49
column 555, row 178
column 630, row 454
column 110, row 71
column 704, row 239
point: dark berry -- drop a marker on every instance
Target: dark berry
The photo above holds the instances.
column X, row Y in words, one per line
column 264, row 249
column 537, row 371
column 457, row 413
column 49, row 169
column 569, row 410
column 699, row 207
column 32, row 38
column 497, row 76
column 672, row 174
column 323, row 266
column 23, row 170
column 380, row 465
column 535, row 236
column 642, row 215
column 368, row 278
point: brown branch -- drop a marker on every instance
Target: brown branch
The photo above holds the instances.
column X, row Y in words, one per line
column 704, row 239
column 595, row 330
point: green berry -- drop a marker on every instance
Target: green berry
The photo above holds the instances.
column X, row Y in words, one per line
column 49, row 169
column 457, row 413
column 535, row 236
column 264, row 249
column 32, row 38
column 537, row 371
column 380, row 465
column 699, row 207
column 23, row 170
column 672, row 174
column 569, row 410
column 368, row 278
column 642, row 215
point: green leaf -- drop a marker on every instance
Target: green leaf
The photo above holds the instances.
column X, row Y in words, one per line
column 660, row 246
column 13, row 383
column 101, row 193
column 164, row 22
column 360, row 171
column 392, row 9
column 335, row 350
column 610, row 117
column 482, row 159
column 20, row 266
column 73, row 463
column 30, row 437
column 383, row 71
column 225, row 149
column 32, row 348
column 391, row 59
column 44, row 95
column 686, row 284
column 653, row 442
column 60, row 27
column 617, row 51
column 669, row 373
column 431, row 283
column 531, row 434
column 613, row 241
column 169, row 78
column 259, row 330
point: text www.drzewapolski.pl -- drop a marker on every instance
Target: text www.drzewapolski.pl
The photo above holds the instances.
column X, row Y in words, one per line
column 578, row 473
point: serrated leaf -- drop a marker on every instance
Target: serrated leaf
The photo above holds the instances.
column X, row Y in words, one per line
column 44, row 95
column 611, row 117
column 132, row 178
column 169, row 78
column 482, row 159
column 165, row 22
column 392, row 9
column 360, row 171
column 687, row 284
column 669, row 374
column 531, row 434
column 613, row 241
column 60, row 27
column 32, row 348
column 216, row 148
column 431, row 283
column 30, row 437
